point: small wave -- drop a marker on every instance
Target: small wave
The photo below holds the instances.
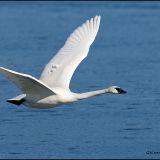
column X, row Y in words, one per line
column 16, row 153
column 136, row 129
column 125, row 137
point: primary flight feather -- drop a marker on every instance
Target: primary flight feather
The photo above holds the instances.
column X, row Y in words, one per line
column 52, row 89
column 59, row 70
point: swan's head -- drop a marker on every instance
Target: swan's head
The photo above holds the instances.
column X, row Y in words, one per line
column 116, row 90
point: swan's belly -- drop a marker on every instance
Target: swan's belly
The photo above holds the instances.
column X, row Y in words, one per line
column 43, row 103
column 47, row 102
column 40, row 105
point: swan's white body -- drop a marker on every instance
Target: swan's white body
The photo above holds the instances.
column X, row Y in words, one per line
column 53, row 87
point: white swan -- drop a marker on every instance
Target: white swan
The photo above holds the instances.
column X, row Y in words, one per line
column 53, row 87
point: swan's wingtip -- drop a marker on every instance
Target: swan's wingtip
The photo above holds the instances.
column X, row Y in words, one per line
column 2, row 68
column 98, row 16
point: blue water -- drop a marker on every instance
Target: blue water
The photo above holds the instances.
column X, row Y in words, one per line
column 126, row 53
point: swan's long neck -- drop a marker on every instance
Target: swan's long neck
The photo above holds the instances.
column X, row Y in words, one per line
column 92, row 93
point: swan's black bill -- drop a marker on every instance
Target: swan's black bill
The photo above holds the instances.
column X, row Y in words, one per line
column 120, row 91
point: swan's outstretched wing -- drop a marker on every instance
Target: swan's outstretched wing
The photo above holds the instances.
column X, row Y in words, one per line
column 28, row 84
column 59, row 70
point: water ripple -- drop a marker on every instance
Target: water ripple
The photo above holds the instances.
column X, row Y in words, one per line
column 72, row 148
column 29, row 115
column 127, row 138
column 56, row 114
column 16, row 153
column 130, row 108
column 136, row 129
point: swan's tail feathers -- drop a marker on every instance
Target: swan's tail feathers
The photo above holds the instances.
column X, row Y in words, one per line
column 17, row 100
column 28, row 84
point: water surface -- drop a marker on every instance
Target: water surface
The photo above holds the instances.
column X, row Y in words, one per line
column 125, row 53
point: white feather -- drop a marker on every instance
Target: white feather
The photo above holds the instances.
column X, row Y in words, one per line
column 26, row 83
column 70, row 55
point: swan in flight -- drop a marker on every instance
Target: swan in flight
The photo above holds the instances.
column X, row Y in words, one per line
column 52, row 89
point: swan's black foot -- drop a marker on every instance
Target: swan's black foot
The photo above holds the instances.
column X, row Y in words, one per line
column 16, row 102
